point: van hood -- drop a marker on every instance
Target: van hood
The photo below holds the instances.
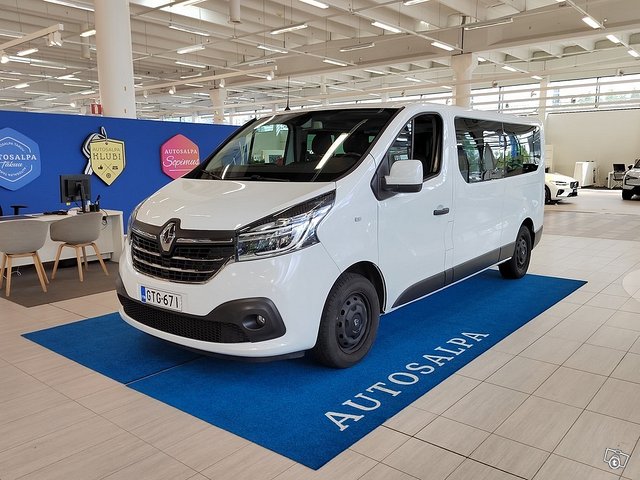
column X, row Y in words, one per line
column 224, row 204
column 558, row 177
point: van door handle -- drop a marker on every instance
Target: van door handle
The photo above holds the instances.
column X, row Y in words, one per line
column 441, row 211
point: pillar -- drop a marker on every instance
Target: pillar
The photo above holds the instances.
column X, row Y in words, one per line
column 218, row 96
column 542, row 102
column 115, row 60
column 463, row 66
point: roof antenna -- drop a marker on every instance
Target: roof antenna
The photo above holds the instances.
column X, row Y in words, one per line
column 287, row 108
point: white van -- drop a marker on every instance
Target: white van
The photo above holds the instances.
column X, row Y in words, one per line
column 302, row 228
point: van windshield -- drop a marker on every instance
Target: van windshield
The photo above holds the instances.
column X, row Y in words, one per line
column 319, row 146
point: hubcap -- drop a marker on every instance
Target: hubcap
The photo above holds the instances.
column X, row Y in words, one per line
column 521, row 252
column 352, row 323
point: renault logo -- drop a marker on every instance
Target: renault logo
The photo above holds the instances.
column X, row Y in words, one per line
column 167, row 237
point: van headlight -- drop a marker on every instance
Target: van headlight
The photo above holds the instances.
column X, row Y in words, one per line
column 132, row 218
column 283, row 232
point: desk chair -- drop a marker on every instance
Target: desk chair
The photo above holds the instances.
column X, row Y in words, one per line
column 16, row 209
column 617, row 175
column 22, row 238
column 79, row 232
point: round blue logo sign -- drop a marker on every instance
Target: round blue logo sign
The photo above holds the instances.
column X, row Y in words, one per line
column 19, row 159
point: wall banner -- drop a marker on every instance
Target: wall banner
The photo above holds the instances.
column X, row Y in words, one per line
column 19, row 159
column 179, row 155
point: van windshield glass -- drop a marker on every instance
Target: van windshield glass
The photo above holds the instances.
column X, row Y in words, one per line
column 297, row 147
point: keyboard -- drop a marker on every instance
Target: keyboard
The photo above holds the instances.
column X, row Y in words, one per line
column 55, row 212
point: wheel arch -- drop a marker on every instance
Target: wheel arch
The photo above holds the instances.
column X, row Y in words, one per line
column 372, row 273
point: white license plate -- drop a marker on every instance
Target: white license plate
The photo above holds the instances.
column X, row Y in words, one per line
column 170, row 301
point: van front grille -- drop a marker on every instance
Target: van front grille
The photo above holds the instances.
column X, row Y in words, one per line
column 188, row 263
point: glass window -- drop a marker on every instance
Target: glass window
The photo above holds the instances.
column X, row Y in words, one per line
column 298, row 146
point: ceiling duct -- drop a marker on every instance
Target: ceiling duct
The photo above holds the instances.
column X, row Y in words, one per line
column 234, row 11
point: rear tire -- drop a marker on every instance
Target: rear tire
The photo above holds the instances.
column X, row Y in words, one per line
column 627, row 194
column 349, row 322
column 517, row 266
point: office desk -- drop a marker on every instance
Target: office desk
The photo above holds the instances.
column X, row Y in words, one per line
column 110, row 242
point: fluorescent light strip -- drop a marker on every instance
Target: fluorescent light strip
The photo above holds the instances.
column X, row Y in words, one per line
column 88, row 33
column 509, row 68
column 475, row 26
column 443, row 46
column 191, row 49
column 269, row 48
column 54, row 67
column 68, row 77
column 482, row 59
column 21, row 85
column 613, row 39
column 28, row 51
column 72, row 4
column 413, row 79
column 76, row 85
column 376, row 72
column 195, row 31
column 186, row 77
column 335, row 62
column 87, row 92
column 408, row 3
column 315, row 3
column 359, row 46
column 536, row 77
column 195, row 85
column 291, row 28
column 591, row 22
column 384, row 26
column 190, row 64
column 633, row 53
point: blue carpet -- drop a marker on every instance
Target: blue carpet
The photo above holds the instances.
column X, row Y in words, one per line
column 301, row 410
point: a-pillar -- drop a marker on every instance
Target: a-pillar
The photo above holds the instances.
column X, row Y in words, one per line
column 115, row 60
column 218, row 97
column 463, row 66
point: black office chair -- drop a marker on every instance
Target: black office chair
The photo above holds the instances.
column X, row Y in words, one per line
column 16, row 209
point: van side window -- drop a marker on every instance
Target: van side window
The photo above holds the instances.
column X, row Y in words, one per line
column 420, row 139
column 490, row 150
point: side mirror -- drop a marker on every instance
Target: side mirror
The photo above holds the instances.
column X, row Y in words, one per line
column 405, row 177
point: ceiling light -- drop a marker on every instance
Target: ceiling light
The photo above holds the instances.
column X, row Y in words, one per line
column 72, row 104
column 189, row 2
column 536, row 77
column 88, row 33
column 384, row 26
column 28, row 51
column 186, row 77
column 54, row 39
column 21, row 85
column 4, row 58
column 335, row 62
column 172, row 90
column 633, row 53
column 591, row 22
column 413, row 79
column 270, row 75
column 87, row 92
column 190, row 64
column 145, row 94
column 184, row 28
column 71, row 3
column 613, row 38
column 191, row 49
column 509, row 68
column 269, row 48
column 68, row 77
column 315, row 3
column 443, row 46
column 221, row 83
column 492, row 23
column 376, row 72
column 76, row 85
column 291, row 28
column 413, row 2
column 359, row 46
column 11, row 34
column 195, row 85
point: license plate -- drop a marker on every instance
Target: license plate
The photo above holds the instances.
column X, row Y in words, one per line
column 162, row 299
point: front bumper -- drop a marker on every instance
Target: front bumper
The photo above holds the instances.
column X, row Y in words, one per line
column 260, row 308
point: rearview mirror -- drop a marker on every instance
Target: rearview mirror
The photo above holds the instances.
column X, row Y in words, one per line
column 405, row 177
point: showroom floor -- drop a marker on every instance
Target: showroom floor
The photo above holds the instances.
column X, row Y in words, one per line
column 545, row 403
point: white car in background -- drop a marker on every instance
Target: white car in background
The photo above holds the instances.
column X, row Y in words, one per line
column 557, row 187
column 631, row 182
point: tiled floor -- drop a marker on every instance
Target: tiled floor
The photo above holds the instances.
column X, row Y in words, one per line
column 543, row 404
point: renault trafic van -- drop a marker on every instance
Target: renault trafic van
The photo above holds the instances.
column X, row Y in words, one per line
column 303, row 227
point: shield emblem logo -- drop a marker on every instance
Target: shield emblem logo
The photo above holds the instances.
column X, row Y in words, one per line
column 107, row 158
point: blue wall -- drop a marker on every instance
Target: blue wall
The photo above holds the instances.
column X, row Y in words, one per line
column 60, row 138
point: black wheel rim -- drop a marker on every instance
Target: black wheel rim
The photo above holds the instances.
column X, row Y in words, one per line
column 522, row 252
column 352, row 323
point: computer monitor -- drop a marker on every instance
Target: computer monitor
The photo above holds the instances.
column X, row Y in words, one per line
column 75, row 188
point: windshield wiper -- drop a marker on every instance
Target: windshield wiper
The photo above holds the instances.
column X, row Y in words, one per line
column 211, row 175
column 259, row 177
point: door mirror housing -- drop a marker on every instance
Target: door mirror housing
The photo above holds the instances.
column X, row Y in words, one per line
column 405, row 177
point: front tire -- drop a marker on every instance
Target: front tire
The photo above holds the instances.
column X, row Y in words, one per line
column 547, row 195
column 627, row 194
column 517, row 266
column 349, row 322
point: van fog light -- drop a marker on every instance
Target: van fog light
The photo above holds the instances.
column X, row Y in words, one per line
column 254, row 322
